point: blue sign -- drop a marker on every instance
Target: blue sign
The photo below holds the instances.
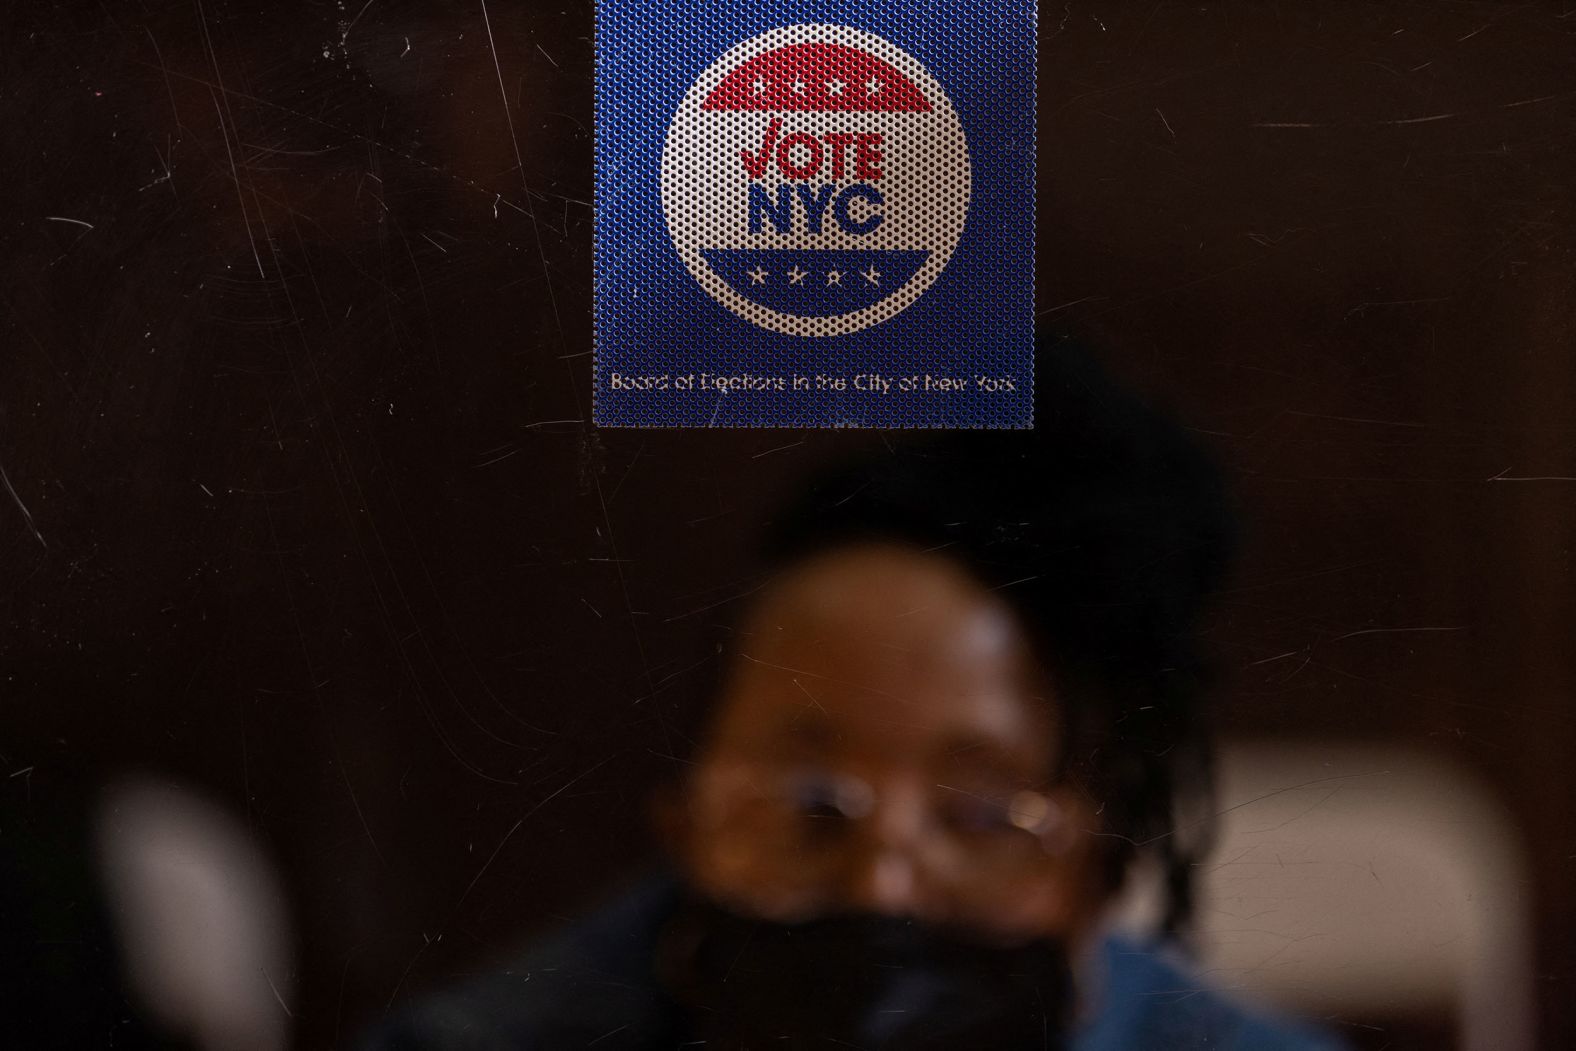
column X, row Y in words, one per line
column 815, row 214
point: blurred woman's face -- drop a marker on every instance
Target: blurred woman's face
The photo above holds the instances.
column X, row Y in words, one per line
column 887, row 743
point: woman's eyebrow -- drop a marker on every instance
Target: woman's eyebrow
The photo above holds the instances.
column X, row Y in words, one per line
column 982, row 753
column 980, row 749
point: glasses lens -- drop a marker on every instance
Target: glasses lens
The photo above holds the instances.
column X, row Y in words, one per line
column 805, row 825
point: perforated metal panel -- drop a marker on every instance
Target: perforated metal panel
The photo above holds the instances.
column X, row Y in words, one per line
column 815, row 214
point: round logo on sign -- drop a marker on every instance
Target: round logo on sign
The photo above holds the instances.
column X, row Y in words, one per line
column 816, row 180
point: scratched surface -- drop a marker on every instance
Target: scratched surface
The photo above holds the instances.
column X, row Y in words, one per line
column 299, row 500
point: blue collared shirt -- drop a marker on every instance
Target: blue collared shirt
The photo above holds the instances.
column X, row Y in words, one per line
column 1146, row 996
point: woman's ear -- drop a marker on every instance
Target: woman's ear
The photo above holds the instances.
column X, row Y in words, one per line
column 1078, row 823
column 1083, row 852
column 1062, row 895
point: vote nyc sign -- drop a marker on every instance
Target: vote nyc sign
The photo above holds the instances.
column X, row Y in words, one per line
column 784, row 209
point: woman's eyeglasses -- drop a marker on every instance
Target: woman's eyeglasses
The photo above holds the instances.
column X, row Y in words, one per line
column 801, row 829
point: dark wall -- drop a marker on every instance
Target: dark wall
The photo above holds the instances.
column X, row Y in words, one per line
column 302, row 504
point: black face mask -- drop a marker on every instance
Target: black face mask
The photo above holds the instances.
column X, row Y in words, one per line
column 862, row 981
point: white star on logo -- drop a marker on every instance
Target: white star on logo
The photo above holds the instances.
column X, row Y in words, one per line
column 760, row 87
column 873, row 276
column 835, row 87
column 872, row 86
column 834, row 277
column 796, row 276
column 799, row 86
column 758, row 276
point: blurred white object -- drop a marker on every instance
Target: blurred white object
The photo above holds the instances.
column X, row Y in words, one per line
column 1365, row 882
column 201, row 918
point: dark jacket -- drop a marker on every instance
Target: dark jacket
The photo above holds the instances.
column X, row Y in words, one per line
column 592, row 985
